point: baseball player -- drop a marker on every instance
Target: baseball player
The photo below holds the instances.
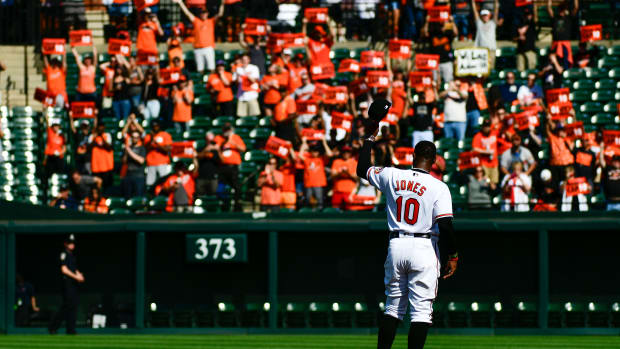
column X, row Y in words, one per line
column 418, row 206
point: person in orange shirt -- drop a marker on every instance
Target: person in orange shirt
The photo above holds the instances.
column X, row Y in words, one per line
column 148, row 31
column 561, row 148
column 344, row 178
column 180, row 187
column 86, row 89
column 288, row 191
column 174, row 45
column 158, row 144
column 108, row 69
column 270, row 85
column 314, row 170
column 95, row 203
column 56, row 75
column 318, row 44
column 219, row 84
column 182, row 97
column 204, row 38
column 285, row 118
column 231, row 148
column 55, row 149
column 270, row 181
column 399, row 99
column 296, row 70
column 102, row 155
column 485, row 143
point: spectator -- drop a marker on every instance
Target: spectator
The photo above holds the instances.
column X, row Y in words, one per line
column 476, row 101
column 148, row 30
column 118, row 11
column 364, row 197
column 82, row 184
column 314, row 170
column 219, row 84
column 398, row 97
column 134, row 157
column 486, row 28
column 25, row 302
column 530, row 94
column 206, row 164
column 585, row 161
column 74, row 14
column 270, row 84
column 547, row 192
column 95, row 203
column 102, row 155
column 611, row 182
column 343, row 177
column 158, row 144
column 422, row 120
column 509, row 90
column 304, row 93
column 150, row 88
column 270, row 181
column 120, row 98
column 485, row 143
column 551, row 73
column 526, row 42
column 231, row 148
column 284, row 119
column 204, row 38
column 517, row 153
column 587, row 57
column 255, row 45
column 441, row 37
column 56, row 75
column 455, row 115
column 562, row 31
column 55, row 149
column 174, row 48
column 479, row 190
column 461, row 11
column 86, row 89
column 568, row 202
column 134, row 84
column 180, row 189
column 297, row 70
column 64, row 200
column 248, row 77
column 561, row 148
column 107, row 91
column 439, row 167
column 80, row 143
column 288, row 191
column 318, row 44
column 183, row 98
column 516, row 187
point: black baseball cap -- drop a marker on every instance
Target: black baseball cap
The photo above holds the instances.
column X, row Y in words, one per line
column 70, row 239
column 379, row 109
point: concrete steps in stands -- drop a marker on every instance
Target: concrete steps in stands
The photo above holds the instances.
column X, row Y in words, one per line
column 13, row 58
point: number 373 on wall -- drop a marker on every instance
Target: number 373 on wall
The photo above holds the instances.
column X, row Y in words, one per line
column 216, row 248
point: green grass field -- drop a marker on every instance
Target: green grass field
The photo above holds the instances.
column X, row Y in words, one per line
column 295, row 341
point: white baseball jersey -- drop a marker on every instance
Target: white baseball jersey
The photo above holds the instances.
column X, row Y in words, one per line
column 414, row 198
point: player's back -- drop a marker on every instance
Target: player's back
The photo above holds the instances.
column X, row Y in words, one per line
column 414, row 198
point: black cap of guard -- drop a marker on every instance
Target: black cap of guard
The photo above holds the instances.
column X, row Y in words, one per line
column 379, row 109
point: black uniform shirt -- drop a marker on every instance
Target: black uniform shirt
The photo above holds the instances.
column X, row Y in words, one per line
column 68, row 259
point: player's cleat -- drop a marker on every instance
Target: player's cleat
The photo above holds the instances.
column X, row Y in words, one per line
column 377, row 111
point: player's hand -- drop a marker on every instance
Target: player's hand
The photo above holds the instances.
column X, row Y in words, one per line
column 450, row 269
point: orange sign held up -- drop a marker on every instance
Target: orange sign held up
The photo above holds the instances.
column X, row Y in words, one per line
column 560, row 110
column 577, row 186
column 468, row 159
column 312, row 134
column 254, row 26
column 420, row 79
column 591, row 33
column 558, row 95
column 53, row 46
column 359, row 86
column 80, row 38
column 43, row 96
column 307, row 107
column 574, row 130
column 426, row 62
column 119, row 47
column 276, row 42
column 336, row 95
column 322, row 71
column 349, row 66
column 147, row 58
column 525, row 119
column 278, row 147
column 372, row 59
column 611, row 138
column 378, row 78
column 342, row 120
column 519, row 3
column 400, row 49
column 170, row 75
column 142, row 4
column 316, row 15
column 183, row 149
column 83, row 110
column 439, row 13
column 403, row 156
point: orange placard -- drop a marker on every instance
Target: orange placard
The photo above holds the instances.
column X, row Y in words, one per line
column 525, row 119
column 147, row 58
column 163, row 92
column 439, row 13
column 312, row 134
column 278, row 147
column 403, row 156
column 610, row 152
column 584, row 159
column 322, row 71
column 169, row 75
column 319, row 91
column 359, row 86
column 342, row 121
column 80, row 38
column 349, row 66
column 400, row 49
column 560, row 110
column 83, row 110
column 46, row 98
column 183, row 149
column 307, row 107
column 577, row 186
column 53, row 46
column 426, row 62
column 427, row 4
column 316, row 15
column 142, row 4
column 519, row 3
column 336, row 95
column 591, row 33
column 555, row 95
column 378, row 78
column 276, row 42
column 468, row 159
column 255, row 26
column 372, row 59
column 420, row 79
column 119, row 47
column 574, row 130
column 611, row 138
column 360, row 203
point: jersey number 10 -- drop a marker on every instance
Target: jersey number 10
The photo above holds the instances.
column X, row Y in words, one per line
column 410, row 218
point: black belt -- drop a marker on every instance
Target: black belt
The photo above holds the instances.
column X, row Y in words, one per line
column 396, row 234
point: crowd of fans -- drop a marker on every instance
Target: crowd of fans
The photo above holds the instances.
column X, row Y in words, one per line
column 281, row 83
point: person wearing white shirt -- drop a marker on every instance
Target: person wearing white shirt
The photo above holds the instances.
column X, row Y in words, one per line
column 485, row 29
column 455, row 113
column 516, row 187
column 248, row 76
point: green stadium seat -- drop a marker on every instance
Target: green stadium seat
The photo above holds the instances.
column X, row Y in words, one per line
column 340, row 53
column 248, row 122
column 137, row 203
column 602, row 119
column 256, row 155
column 580, row 96
column 331, row 210
column 342, row 314
column 503, row 315
column 120, row 211
column 204, row 317
column 260, row 133
column 596, row 73
column 306, row 210
column 265, row 122
column 363, row 316
column 611, row 107
column 457, row 314
column 526, row 314
column 615, row 314
column 607, row 84
column 554, row 314
column 115, row 203
column 183, row 318
column 575, row 314
column 201, row 123
column 598, row 315
column 603, row 96
column 254, row 314
column 502, row 74
column 158, row 203
column 248, row 167
column 583, row 84
column 209, row 203
column 227, row 315
column 609, row 62
column 221, row 120
column 480, row 314
column 159, row 319
column 318, row 314
column 194, row 134
column 294, row 315
column 614, row 51
column 574, row 74
column 615, row 73
column 22, row 111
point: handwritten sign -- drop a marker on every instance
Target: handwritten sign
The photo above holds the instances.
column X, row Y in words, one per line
column 80, row 38
column 577, row 186
column 316, row 15
column 403, row 156
column 342, row 121
column 378, row 78
column 254, row 26
column 119, row 47
column 307, row 107
column 555, row 95
column 322, row 71
column 53, row 46
column 169, row 75
column 439, row 13
column 372, row 59
column 312, row 134
column 468, row 159
column 336, row 95
column 472, row 62
column 426, row 62
column 83, row 110
column 400, row 49
column 183, row 149
column 278, row 147
column 590, row 33
column 349, row 66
